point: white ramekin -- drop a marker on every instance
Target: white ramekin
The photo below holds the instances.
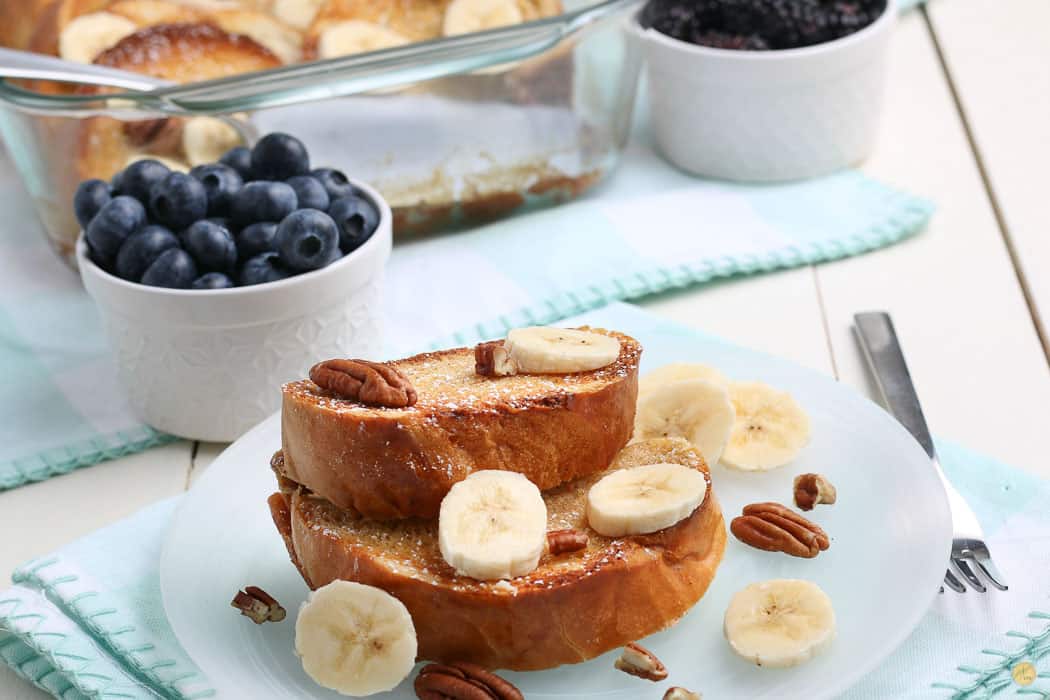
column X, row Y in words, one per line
column 208, row 365
column 765, row 116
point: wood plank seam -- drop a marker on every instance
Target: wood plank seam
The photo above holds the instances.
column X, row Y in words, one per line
column 192, row 465
column 825, row 324
column 997, row 212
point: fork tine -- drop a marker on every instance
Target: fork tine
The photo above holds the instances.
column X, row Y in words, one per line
column 987, row 567
column 953, row 583
column 967, row 573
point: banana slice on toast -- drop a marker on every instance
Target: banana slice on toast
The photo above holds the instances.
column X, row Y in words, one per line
column 493, row 525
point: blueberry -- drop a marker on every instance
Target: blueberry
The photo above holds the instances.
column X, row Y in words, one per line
column 178, row 200
column 240, row 159
column 307, row 240
column 140, row 177
column 255, row 239
column 118, row 219
column 141, row 249
column 357, row 219
column 265, row 267
column 279, row 156
column 335, row 182
column 310, row 192
column 211, row 245
column 263, row 201
column 115, row 183
column 220, row 182
column 212, row 280
column 173, row 268
column 91, row 196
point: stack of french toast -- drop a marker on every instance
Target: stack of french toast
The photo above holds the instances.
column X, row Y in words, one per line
column 497, row 494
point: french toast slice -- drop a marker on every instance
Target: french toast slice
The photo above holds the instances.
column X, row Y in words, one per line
column 415, row 20
column 235, row 17
column 387, row 463
column 571, row 608
column 179, row 52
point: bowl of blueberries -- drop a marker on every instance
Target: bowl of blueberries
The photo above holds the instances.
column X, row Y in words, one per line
column 218, row 285
column 765, row 90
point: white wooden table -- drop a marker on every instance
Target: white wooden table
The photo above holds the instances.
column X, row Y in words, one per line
column 967, row 124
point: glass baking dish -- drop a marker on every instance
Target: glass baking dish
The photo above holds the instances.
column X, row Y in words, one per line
column 451, row 131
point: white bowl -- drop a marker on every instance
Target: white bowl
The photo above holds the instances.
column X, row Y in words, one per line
column 765, row 116
column 209, row 364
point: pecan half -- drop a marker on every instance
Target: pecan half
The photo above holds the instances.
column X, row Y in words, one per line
column 491, row 359
column 679, row 693
column 639, row 661
column 257, row 604
column 776, row 528
column 463, row 681
column 372, row 383
column 811, row 489
column 562, row 541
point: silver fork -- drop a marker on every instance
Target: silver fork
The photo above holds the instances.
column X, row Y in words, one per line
column 883, row 352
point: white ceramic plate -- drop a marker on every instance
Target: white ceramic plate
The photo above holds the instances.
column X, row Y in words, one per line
column 890, row 536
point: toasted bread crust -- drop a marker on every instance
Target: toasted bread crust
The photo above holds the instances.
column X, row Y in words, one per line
column 188, row 52
column 572, row 608
column 398, row 463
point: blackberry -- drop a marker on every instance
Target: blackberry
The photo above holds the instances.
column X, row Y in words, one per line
column 845, row 18
column 740, row 42
column 788, row 24
column 759, row 24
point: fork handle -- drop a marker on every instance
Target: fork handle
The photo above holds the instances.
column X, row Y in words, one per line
column 883, row 352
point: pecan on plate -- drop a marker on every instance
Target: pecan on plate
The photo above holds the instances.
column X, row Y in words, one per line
column 372, row 383
column 491, row 359
column 811, row 489
column 776, row 528
column 257, row 604
column 562, row 541
column 463, row 681
column 639, row 661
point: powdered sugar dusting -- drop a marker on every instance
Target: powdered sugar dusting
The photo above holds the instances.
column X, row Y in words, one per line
column 447, row 384
column 410, row 547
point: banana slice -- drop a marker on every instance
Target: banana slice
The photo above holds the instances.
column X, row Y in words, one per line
column 174, row 165
column 355, row 639
column 205, row 139
column 695, row 409
column 546, row 350
column 87, row 36
column 296, row 13
column 284, row 42
column 493, row 525
column 644, row 499
column 770, row 428
column 780, row 623
column 466, row 16
column 676, row 371
column 356, row 36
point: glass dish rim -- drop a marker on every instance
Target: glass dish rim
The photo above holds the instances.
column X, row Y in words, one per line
column 330, row 78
